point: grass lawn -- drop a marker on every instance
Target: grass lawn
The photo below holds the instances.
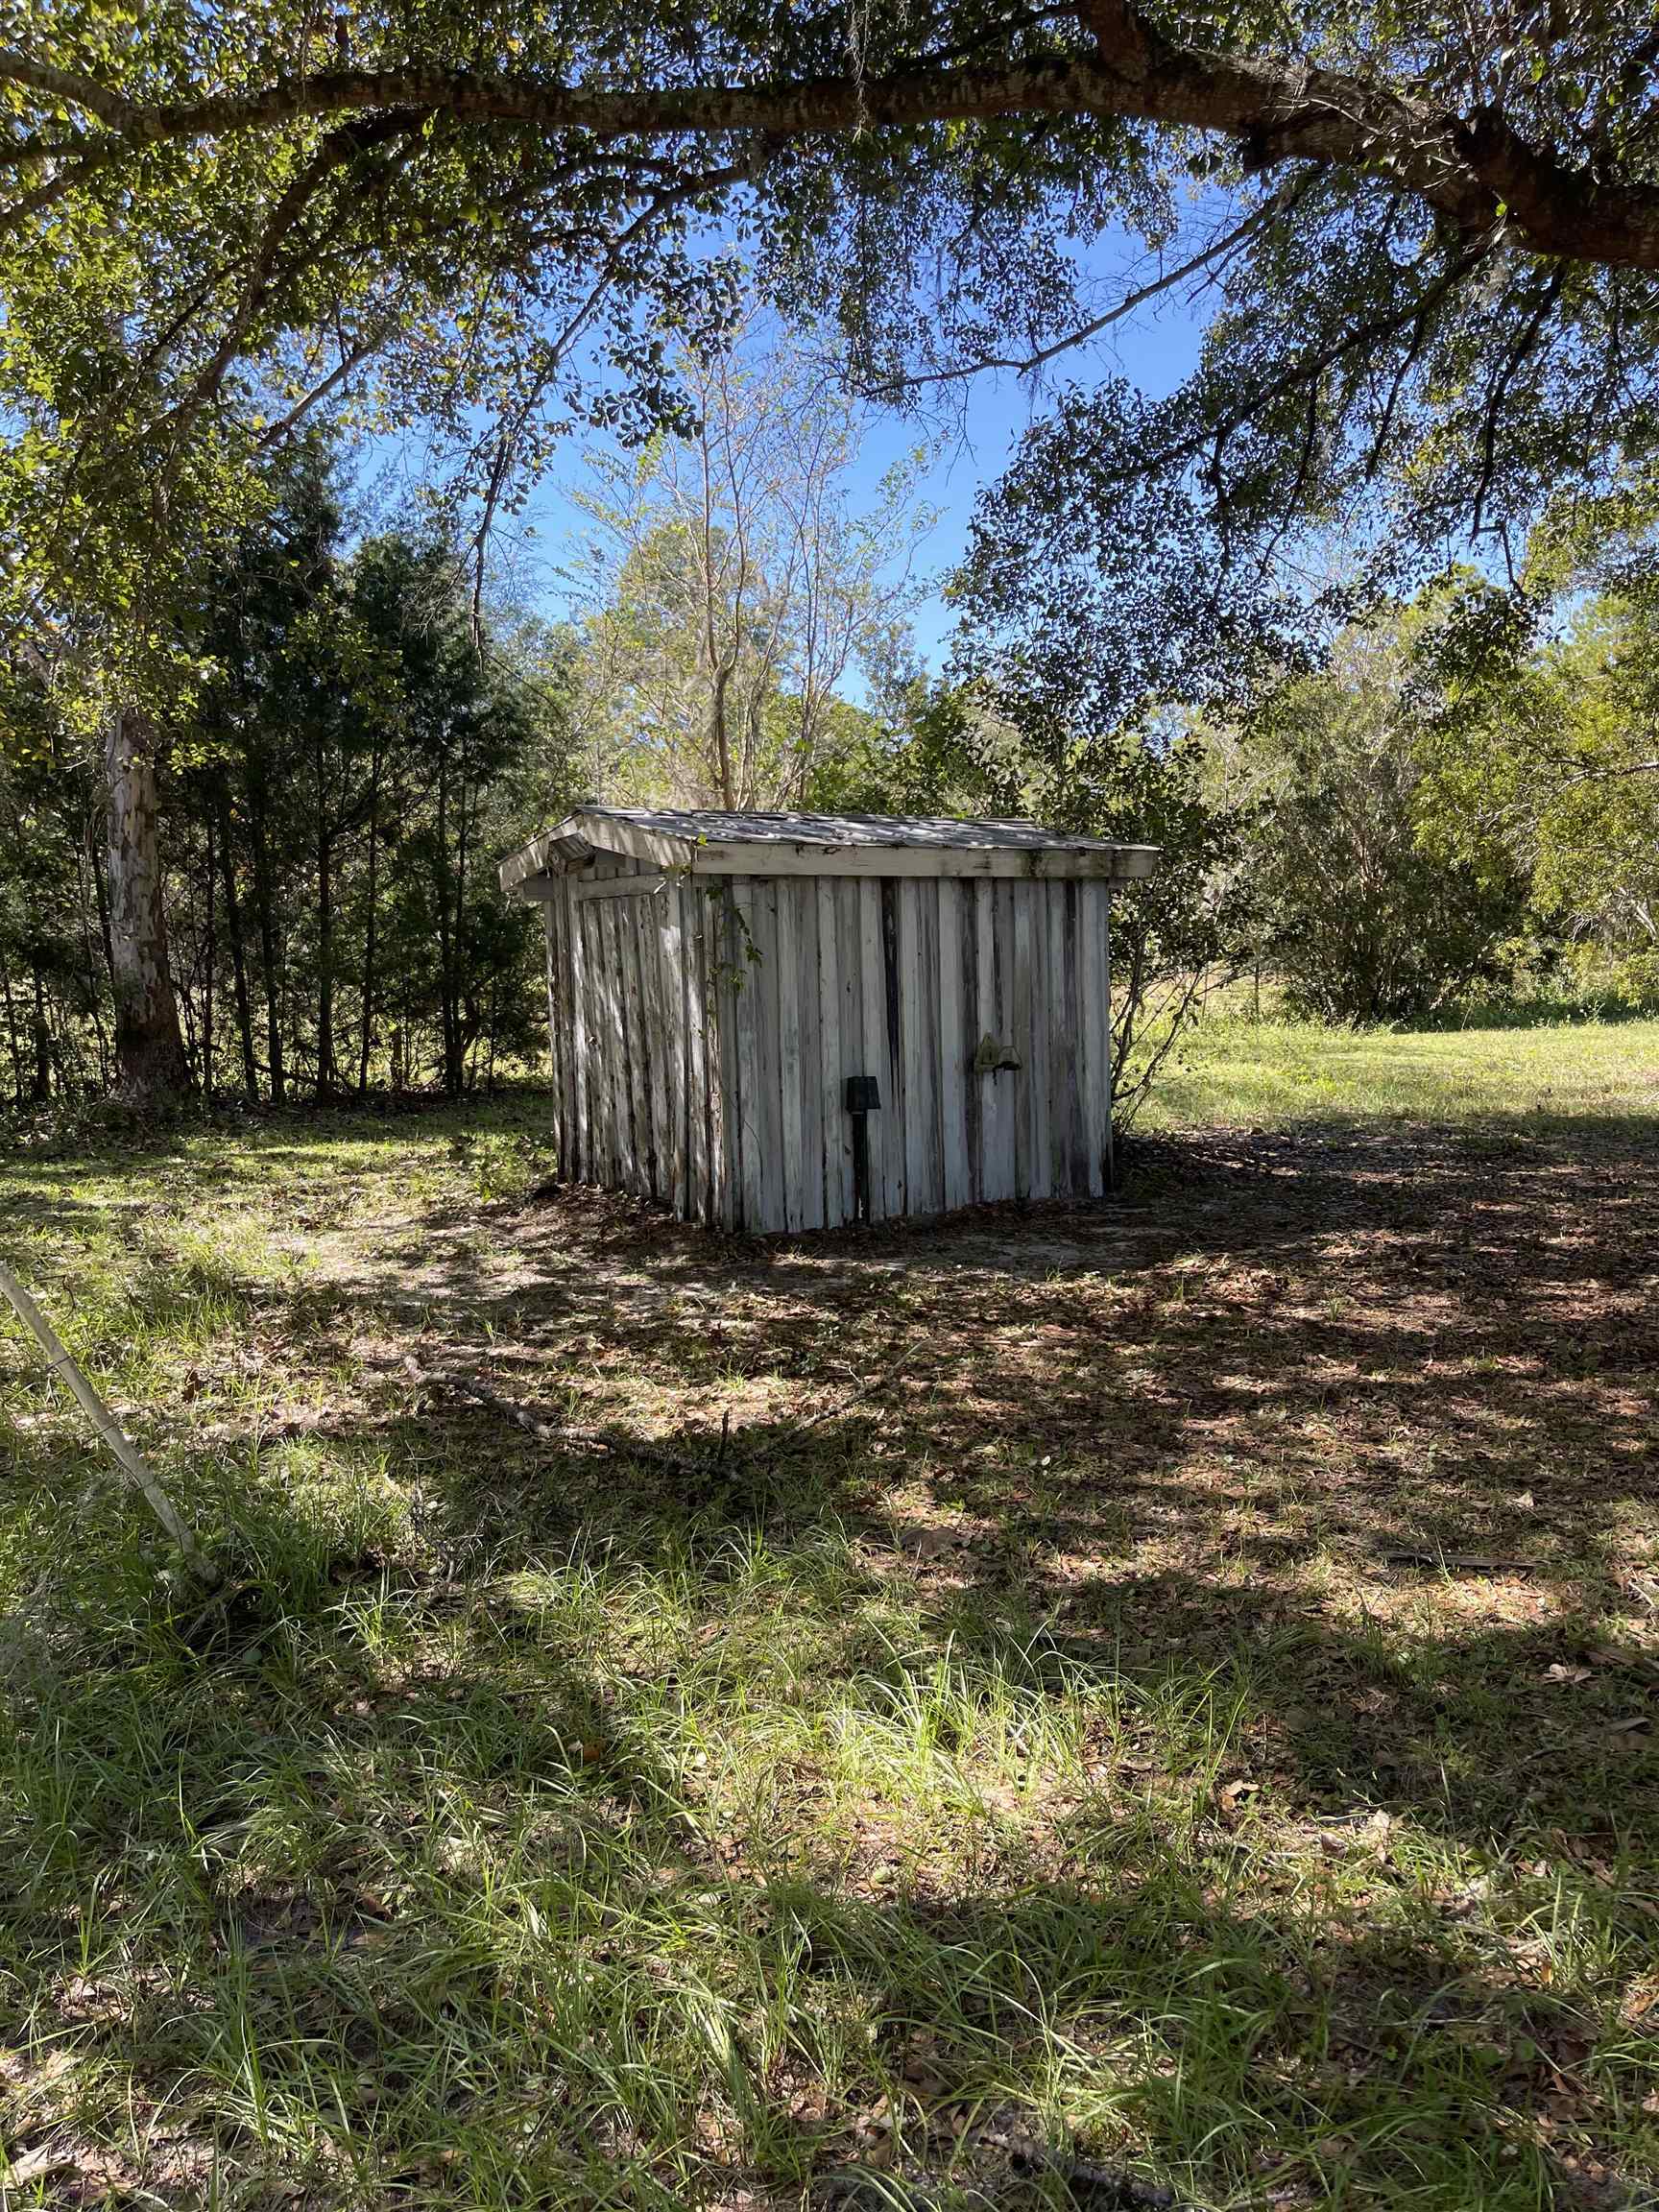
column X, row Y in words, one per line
column 1156, row 1697
column 1278, row 1073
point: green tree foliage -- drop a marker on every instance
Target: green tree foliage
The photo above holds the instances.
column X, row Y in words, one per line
column 1428, row 240
column 1071, row 734
column 739, row 580
column 1428, row 244
column 983, row 743
column 53, row 971
column 352, row 759
column 169, row 323
column 1363, row 919
column 451, row 786
column 1544, row 758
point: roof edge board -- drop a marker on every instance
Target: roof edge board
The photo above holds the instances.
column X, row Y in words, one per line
column 1055, row 863
column 554, row 851
column 573, row 842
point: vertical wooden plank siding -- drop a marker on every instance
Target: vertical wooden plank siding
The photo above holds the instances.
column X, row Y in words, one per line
column 699, row 1184
column 853, row 1044
column 952, row 1071
column 581, row 1156
column 634, row 1107
column 635, row 1127
column 557, row 1041
column 919, row 1020
column 912, row 1041
column 1020, row 1038
column 615, row 1046
column 1076, row 1014
column 720, row 957
column 646, row 921
column 652, row 1042
column 827, row 985
column 807, row 1076
column 1000, row 1093
column 557, row 1027
column 933, row 1059
column 932, row 1064
column 671, row 1004
column 598, row 1053
column 769, row 1034
column 968, row 966
column 1056, row 1041
column 667, row 1031
column 701, row 1036
column 1035, row 1050
column 784, row 896
column 574, row 1162
column 1094, row 1029
column 704, row 908
column 869, row 896
column 601, row 1046
column 895, row 1167
column 994, row 1176
column 748, row 1112
column 702, row 1056
column 638, row 1091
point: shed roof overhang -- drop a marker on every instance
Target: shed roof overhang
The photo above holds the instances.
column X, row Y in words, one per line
column 711, row 843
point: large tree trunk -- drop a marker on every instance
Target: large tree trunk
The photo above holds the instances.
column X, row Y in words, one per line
column 149, row 1061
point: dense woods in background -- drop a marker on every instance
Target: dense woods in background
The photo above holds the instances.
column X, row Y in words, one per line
column 355, row 740
column 1436, row 803
column 1421, row 248
column 1431, row 825
column 338, row 780
column 1384, row 830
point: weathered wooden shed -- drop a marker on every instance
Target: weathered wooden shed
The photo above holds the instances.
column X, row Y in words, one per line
column 782, row 1022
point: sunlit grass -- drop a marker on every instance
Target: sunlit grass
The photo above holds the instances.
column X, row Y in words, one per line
column 880, row 1808
column 1272, row 1072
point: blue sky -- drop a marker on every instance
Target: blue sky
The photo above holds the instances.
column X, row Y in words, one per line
column 1154, row 349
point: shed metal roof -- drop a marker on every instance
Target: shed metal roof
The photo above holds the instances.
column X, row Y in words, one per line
column 707, row 840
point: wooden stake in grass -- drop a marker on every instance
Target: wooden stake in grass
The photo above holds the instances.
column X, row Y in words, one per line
column 130, row 1458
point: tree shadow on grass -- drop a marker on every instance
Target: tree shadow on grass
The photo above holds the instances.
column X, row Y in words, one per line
column 1374, row 1411
column 1438, row 1345
column 657, row 1829
column 461, row 1916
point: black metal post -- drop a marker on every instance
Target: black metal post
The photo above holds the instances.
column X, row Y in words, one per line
column 863, row 1094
